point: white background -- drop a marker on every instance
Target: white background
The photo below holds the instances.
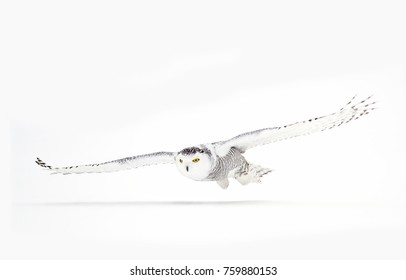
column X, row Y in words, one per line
column 85, row 82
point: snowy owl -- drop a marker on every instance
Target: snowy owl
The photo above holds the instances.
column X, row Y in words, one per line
column 222, row 160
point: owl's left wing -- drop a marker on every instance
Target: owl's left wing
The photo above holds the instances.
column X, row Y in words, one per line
column 351, row 111
column 114, row 165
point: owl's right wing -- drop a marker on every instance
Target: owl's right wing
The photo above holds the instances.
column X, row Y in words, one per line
column 351, row 111
column 115, row 165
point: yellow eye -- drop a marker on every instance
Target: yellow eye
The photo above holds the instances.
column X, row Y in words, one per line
column 196, row 160
column 180, row 160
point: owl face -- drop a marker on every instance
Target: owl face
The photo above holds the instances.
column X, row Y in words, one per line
column 194, row 163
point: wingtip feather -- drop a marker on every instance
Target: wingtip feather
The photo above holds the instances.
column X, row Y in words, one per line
column 42, row 164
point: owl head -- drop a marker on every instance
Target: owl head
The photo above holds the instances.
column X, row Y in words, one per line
column 194, row 162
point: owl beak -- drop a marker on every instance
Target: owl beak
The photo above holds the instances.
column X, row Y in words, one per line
column 187, row 168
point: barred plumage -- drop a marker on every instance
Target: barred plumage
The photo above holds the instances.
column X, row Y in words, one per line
column 224, row 165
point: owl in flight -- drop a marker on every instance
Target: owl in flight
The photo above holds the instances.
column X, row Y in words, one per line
column 222, row 160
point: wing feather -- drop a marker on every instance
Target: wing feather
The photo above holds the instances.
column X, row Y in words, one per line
column 351, row 111
column 114, row 165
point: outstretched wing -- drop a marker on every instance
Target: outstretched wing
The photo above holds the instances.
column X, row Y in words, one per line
column 351, row 111
column 115, row 165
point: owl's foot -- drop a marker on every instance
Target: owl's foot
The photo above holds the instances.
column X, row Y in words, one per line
column 252, row 175
column 223, row 183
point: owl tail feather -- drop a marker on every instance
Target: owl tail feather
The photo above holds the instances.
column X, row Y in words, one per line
column 253, row 174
